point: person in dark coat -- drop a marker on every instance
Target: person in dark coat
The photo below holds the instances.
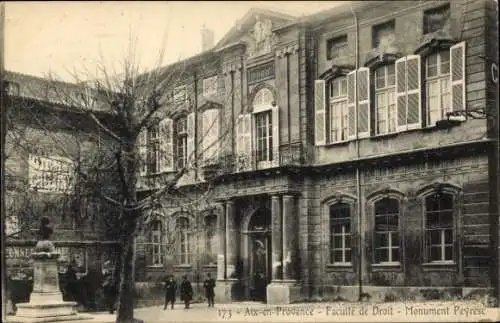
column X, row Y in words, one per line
column 109, row 291
column 170, row 289
column 71, row 281
column 209, row 285
column 186, row 291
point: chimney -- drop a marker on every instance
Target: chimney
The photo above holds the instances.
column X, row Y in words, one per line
column 207, row 39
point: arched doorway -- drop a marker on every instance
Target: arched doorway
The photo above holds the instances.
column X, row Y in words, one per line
column 259, row 252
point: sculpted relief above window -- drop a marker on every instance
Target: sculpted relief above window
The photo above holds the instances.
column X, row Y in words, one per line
column 261, row 38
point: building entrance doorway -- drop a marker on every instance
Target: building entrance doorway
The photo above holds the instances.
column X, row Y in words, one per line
column 259, row 231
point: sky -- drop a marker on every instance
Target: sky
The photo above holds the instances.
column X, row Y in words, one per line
column 57, row 37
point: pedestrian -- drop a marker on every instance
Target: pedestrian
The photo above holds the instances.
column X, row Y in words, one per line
column 109, row 291
column 209, row 285
column 186, row 291
column 170, row 289
column 71, row 281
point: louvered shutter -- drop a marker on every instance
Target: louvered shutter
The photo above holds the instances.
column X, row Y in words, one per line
column 166, row 145
column 320, row 113
column 243, row 141
column 142, row 141
column 190, row 140
column 457, row 75
column 401, row 93
column 275, row 119
column 363, row 102
column 351, row 108
column 413, row 85
column 210, row 130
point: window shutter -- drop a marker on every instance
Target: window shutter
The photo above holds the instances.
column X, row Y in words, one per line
column 413, row 85
column 351, row 108
column 401, row 93
column 244, row 142
column 190, row 140
column 363, row 102
column 142, row 141
column 166, row 146
column 457, row 75
column 320, row 112
column 210, row 130
column 275, row 119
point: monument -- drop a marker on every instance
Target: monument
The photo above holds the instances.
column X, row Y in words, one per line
column 46, row 302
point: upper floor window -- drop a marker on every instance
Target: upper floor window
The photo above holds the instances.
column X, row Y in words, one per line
column 53, row 173
column 436, row 19
column 438, row 86
column 181, row 142
column 260, row 73
column 439, row 223
column 387, row 231
column 383, row 35
column 337, row 48
column 155, row 242
column 210, row 86
column 11, row 88
column 210, row 135
column 183, row 241
column 153, row 149
column 180, row 94
column 264, row 136
column 340, row 233
column 385, row 104
column 339, row 116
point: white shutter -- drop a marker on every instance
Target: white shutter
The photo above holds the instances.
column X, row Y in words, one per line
column 190, row 139
column 457, row 76
column 210, row 130
column 244, row 142
column 413, row 86
column 351, row 108
column 166, row 145
column 363, row 80
column 401, row 94
column 320, row 113
column 275, row 119
column 142, row 142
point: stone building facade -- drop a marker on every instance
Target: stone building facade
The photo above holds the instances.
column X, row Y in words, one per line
column 46, row 140
column 336, row 170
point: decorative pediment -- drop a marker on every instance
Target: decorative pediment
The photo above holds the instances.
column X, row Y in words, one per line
column 432, row 42
column 381, row 56
column 256, row 30
column 209, row 104
column 336, row 71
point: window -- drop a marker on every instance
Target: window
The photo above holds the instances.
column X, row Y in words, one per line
column 439, row 236
column 436, row 19
column 210, row 86
column 11, row 88
column 260, row 73
column 153, row 149
column 180, row 95
column 337, row 48
column 340, row 233
column 385, row 105
column 210, row 227
column 264, row 136
column 183, row 236
column 387, row 231
column 181, row 142
column 156, row 243
column 383, row 35
column 437, row 68
column 52, row 173
column 210, row 135
column 339, row 116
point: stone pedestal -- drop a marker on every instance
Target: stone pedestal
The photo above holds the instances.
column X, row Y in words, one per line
column 225, row 291
column 281, row 292
column 46, row 302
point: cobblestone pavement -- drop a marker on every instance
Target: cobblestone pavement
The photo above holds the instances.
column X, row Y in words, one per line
column 452, row 311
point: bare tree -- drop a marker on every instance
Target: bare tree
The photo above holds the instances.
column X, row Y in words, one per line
column 113, row 112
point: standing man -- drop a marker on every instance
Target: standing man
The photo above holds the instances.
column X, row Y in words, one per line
column 170, row 289
column 186, row 291
column 209, row 285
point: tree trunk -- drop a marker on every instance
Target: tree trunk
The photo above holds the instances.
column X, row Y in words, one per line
column 127, row 278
